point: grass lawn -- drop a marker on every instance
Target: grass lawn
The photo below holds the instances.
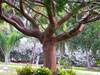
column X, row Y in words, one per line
column 78, row 73
column 84, row 69
column 14, row 64
column 12, row 68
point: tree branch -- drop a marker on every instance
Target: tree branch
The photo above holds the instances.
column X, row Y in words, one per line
column 1, row 7
column 93, row 19
column 39, row 2
column 50, row 12
column 36, row 4
column 27, row 16
column 68, row 15
column 52, row 19
column 18, row 20
column 92, row 8
column 23, row 13
column 36, row 11
column 74, row 31
column 96, row 12
column 13, row 17
column 39, row 5
column 69, row 34
column 10, row 4
column 24, row 30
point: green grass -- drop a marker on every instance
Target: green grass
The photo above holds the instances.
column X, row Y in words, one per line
column 84, row 69
column 78, row 73
column 14, row 64
column 11, row 69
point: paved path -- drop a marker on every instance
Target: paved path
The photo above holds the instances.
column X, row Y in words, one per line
column 97, row 73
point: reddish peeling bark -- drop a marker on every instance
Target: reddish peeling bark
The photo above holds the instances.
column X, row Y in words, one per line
column 49, row 51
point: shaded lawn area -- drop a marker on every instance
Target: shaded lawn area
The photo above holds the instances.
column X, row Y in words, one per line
column 13, row 66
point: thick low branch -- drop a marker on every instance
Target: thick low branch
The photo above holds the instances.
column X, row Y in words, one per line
column 30, row 32
column 23, row 13
column 13, row 17
column 69, row 34
column 68, row 15
column 18, row 20
column 74, row 31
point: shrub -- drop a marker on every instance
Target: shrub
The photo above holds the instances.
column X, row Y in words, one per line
column 43, row 71
column 28, row 70
column 65, row 72
column 97, row 63
column 64, row 63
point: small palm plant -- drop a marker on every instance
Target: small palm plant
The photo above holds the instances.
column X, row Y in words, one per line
column 7, row 42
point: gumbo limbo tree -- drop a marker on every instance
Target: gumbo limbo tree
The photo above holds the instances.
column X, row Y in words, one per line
column 31, row 10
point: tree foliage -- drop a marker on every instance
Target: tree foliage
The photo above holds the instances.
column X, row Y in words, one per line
column 8, row 41
column 88, row 38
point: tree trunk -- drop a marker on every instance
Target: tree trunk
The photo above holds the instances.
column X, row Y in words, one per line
column 9, row 58
column 6, row 63
column 49, row 51
column 88, row 63
column 38, row 56
column 33, row 52
column 62, row 49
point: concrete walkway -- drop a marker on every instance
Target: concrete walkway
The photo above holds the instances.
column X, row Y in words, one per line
column 97, row 73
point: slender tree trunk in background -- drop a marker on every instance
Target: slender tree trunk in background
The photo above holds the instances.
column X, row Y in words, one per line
column 49, row 51
column 62, row 49
column 33, row 52
column 88, row 63
column 6, row 63
column 38, row 56
column 9, row 58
